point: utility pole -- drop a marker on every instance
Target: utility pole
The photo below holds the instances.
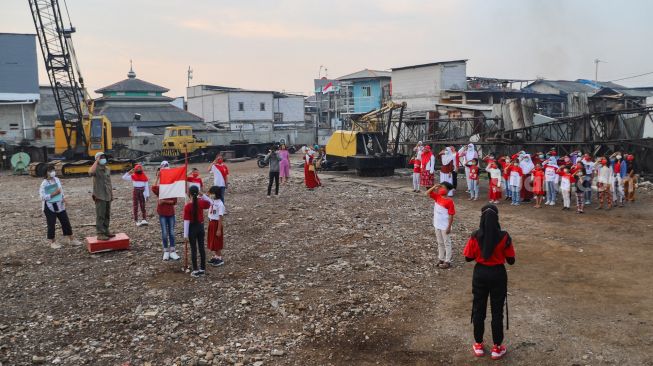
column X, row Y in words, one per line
column 189, row 76
column 596, row 69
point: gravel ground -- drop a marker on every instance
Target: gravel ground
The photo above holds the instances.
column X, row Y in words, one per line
column 343, row 275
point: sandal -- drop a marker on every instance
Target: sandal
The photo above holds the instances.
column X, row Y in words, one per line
column 445, row 265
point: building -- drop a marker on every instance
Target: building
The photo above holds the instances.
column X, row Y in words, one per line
column 134, row 105
column 370, row 89
column 422, row 86
column 19, row 87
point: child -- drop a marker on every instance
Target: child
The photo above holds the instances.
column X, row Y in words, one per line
column 220, row 173
column 515, row 176
column 54, row 207
column 504, row 163
column 165, row 208
column 538, row 184
column 551, row 179
column 495, row 182
column 140, row 193
column 443, row 212
column 473, row 179
column 566, row 180
column 417, row 169
column 194, row 230
column 215, row 234
column 578, row 172
column 194, row 179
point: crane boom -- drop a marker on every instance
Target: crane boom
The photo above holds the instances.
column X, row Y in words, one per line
column 62, row 69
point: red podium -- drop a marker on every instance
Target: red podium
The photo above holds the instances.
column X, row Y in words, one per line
column 118, row 242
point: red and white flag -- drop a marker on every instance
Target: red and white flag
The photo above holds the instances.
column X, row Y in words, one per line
column 172, row 183
column 328, row 88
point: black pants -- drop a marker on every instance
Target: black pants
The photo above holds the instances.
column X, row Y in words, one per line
column 454, row 179
column 489, row 281
column 273, row 176
column 51, row 220
column 196, row 240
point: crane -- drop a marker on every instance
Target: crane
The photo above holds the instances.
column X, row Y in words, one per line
column 78, row 133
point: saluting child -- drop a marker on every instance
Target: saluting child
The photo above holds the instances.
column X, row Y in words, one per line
column 140, row 193
column 194, row 179
column 443, row 212
column 473, row 180
column 566, row 181
column 220, row 174
column 194, row 230
column 494, row 192
column 515, row 176
column 417, row 170
column 215, row 234
column 538, row 184
column 582, row 184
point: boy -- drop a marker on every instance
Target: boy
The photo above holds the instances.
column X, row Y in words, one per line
column 515, row 176
column 443, row 212
column 194, row 179
column 417, row 171
column 220, row 173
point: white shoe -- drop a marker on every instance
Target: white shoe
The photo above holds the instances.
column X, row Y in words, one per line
column 174, row 256
column 55, row 245
column 138, row 223
column 144, row 222
column 166, row 256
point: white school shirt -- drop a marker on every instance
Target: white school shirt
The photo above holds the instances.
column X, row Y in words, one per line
column 138, row 184
column 46, row 197
column 494, row 173
column 218, row 179
column 565, row 184
column 217, row 208
column 589, row 166
column 550, row 173
column 515, row 179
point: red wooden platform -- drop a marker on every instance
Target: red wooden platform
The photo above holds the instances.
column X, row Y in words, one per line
column 118, row 242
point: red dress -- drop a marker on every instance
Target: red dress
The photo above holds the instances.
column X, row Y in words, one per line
column 538, row 182
column 310, row 177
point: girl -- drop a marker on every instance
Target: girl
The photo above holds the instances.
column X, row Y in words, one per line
column 490, row 248
column 473, row 179
column 417, row 167
column 194, row 229
column 448, row 157
column 284, row 164
column 515, row 177
column 220, row 173
column 581, row 185
column 311, row 179
column 551, row 180
column 566, row 181
column 427, row 168
column 538, row 185
column 140, row 193
column 603, row 185
column 165, row 208
column 495, row 182
column 194, row 179
column 215, row 234
column 504, row 163
column 54, row 207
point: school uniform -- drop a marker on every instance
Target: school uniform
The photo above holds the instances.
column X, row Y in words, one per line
column 473, row 181
column 551, row 180
column 505, row 176
column 489, row 279
column 566, row 181
column 494, row 192
column 417, row 170
column 515, row 180
column 194, row 231
column 195, row 182
column 214, row 242
column 443, row 207
column 54, row 208
column 140, row 192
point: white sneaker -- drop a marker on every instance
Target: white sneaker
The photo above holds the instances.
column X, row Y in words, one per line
column 174, row 256
column 138, row 223
column 144, row 222
column 55, row 245
column 166, row 256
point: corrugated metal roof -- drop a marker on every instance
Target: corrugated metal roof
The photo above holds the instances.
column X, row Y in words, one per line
column 366, row 74
column 151, row 116
column 429, row 64
column 133, row 85
column 471, row 107
column 566, row 86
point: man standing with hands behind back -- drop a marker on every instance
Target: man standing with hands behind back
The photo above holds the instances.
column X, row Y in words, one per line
column 102, row 195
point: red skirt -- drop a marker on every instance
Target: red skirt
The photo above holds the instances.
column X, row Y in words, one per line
column 310, row 178
column 538, row 187
column 426, row 179
column 495, row 191
column 213, row 242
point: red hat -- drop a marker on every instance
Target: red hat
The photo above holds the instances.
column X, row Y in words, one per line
column 427, row 148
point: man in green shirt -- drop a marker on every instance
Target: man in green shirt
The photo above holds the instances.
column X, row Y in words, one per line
column 102, row 195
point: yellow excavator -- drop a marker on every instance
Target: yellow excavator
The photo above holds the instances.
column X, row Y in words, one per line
column 365, row 147
column 78, row 133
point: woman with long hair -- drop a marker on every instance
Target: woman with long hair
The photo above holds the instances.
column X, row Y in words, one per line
column 490, row 247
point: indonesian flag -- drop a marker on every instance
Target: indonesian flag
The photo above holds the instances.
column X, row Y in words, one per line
column 328, row 88
column 172, row 183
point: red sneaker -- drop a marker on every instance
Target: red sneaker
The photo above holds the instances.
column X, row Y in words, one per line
column 498, row 352
column 479, row 351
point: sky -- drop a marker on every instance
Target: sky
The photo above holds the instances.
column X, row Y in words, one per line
column 282, row 44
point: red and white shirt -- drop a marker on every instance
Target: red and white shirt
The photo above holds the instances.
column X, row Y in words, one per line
column 195, row 181
column 442, row 209
column 473, row 172
column 417, row 165
column 220, row 173
column 503, row 250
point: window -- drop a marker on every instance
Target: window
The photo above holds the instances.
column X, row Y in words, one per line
column 366, row 91
column 262, row 106
column 184, row 132
column 241, row 106
column 278, row 117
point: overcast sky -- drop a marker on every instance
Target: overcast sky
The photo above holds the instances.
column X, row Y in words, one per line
column 280, row 45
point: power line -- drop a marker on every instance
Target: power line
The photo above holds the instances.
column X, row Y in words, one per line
column 634, row 76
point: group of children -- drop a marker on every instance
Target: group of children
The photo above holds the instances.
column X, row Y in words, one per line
column 523, row 178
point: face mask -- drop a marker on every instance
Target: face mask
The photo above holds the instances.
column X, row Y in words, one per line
column 442, row 191
column 195, row 175
column 103, row 161
column 473, row 163
column 619, row 157
column 220, row 161
column 53, row 174
column 139, row 171
column 541, row 156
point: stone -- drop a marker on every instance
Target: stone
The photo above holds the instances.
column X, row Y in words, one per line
column 277, row 352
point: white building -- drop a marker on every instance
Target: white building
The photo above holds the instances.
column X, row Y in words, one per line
column 238, row 109
column 422, row 86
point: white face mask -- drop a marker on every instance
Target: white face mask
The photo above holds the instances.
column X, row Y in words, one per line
column 53, row 174
column 619, row 157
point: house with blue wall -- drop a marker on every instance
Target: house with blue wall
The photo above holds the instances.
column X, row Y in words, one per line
column 369, row 89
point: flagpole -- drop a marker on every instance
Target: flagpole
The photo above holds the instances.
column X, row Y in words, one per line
column 186, row 201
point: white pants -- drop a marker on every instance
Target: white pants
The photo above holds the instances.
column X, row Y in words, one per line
column 416, row 181
column 444, row 245
column 447, row 177
column 566, row 198
column 473, row 188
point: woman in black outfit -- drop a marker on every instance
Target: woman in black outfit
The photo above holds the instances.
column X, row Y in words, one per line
column 490, row 248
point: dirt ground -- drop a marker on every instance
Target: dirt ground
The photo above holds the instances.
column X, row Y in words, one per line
column 343, row 275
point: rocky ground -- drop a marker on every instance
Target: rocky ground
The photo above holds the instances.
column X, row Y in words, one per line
column 343, row 275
